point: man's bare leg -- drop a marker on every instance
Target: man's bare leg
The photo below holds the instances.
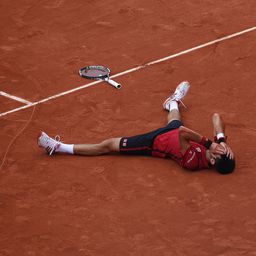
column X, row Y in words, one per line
column 105, row 147
column 174, row 113
column 52, row 145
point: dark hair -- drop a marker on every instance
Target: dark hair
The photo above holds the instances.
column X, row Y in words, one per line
column 225, row 165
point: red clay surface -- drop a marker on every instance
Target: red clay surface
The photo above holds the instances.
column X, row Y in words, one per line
column 7, row 104
column 117, row 205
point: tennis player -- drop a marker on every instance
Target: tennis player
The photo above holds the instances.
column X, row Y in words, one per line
column 188, row 148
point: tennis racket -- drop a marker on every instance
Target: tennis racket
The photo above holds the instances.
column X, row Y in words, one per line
column 98, row 73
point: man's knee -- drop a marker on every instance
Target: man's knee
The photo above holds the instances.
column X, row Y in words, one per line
column 110, row 145
column 215, row 115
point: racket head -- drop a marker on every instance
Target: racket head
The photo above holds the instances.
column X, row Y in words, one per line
column 95, row 72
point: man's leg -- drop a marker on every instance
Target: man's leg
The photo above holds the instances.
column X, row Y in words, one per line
column 54, row 145
column 174, row 113
column 105, row 147
column 171, row 104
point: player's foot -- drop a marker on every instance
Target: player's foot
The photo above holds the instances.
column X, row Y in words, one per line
column 49, row 144
column 178, row 95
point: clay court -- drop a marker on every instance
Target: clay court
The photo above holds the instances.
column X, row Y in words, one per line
column 118, row 205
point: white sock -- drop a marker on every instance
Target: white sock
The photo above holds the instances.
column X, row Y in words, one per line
column 66, row 148
column 173, row 105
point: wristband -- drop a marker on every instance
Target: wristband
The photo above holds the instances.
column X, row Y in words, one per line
column 220, row 135
column 205, row 142
column 208, row 143
column 221, row 140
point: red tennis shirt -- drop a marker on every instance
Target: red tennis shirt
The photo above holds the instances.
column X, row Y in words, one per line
column 167, row 145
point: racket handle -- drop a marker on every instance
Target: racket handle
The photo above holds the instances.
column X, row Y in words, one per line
column 113, row 83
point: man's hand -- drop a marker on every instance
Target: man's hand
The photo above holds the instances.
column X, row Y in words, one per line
column 228, row 150
column 216, row 148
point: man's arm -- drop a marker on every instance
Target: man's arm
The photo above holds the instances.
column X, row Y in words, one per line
column 218, row 126
column 187, row 135
column 219, row 133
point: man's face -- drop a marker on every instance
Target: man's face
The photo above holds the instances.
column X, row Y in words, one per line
column 215, row 152
column 212, row 157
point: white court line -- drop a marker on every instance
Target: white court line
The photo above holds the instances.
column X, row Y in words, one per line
column 133, row 69
column 7, row 95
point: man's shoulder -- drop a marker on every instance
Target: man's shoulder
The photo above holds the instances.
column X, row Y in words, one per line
column 190, row 160
column 195, row 157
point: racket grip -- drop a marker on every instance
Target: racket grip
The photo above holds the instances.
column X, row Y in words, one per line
column 113, row 83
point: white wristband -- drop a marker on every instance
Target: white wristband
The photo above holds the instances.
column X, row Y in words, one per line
column 220, row 135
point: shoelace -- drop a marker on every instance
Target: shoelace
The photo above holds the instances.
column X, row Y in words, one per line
column 57, row 139
column 183, row 104
column 173, row 97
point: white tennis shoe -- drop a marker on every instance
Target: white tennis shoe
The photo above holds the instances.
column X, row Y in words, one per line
column 178, row 95
column 49, row 144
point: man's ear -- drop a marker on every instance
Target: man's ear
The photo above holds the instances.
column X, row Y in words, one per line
column 212, row 161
